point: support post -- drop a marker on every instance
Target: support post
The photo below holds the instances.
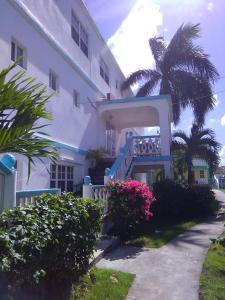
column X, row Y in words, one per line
column 8, row 181
column 106, row 177
column 87, row 187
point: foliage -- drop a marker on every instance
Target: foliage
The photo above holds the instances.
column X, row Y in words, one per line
column 129, row 204
column 103, row 284
column 45, row 247
column 200, row 144
column 175, row 200
column 212, row 284
column 183, row 70
column 95, row 154
column 22, row 106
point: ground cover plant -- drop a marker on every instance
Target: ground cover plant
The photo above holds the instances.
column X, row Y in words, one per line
column 129, row 205
column 103, row 284
column 46, row 247
column 158, row 232
column 212, row 283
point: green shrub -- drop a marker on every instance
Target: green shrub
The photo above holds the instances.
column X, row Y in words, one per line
column 129, row 204
column 45, row 247
column 176, row 200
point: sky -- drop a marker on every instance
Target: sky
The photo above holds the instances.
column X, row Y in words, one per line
column 127, row 25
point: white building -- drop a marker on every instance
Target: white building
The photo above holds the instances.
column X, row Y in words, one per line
column 62, row 47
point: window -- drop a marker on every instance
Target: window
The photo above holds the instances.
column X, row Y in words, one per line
column 76, row 99
column 79, row 34
column 61, row 177
column 53, row 80
column 18, row 51
column 117, row 84
column 104, row 71
column 202, row 174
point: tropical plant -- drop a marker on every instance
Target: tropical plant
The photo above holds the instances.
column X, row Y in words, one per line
column 22, row 106
column 201, row 143
column 95, row 155
column 183, row 70
column 129, row 204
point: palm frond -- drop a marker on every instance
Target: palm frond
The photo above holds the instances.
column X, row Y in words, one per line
column 149, row 86
column 158, row 48
column 22, row 106
column 138, row 76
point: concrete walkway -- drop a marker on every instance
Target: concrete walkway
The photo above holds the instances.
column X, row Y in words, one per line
column 171, row 272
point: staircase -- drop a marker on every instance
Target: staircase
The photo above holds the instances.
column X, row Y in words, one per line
column 98, row 172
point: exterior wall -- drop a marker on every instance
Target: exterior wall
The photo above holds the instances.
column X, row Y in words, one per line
column 43, row 28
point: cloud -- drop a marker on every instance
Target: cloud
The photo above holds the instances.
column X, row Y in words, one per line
column 212, row 120
column 129, row 44
column 210, row 6
column 222, row 152
column 222, row 120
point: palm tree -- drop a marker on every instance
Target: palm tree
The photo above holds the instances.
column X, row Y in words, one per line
column 183, row 70
column 22, row 107
column 200, row 144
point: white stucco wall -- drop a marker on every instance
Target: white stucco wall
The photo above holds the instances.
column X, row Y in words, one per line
column 80, row 127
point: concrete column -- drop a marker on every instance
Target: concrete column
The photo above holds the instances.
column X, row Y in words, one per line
column 8, row 181
column 168, row 169
column 87, row 187
column 107, row 177
column 165, row 131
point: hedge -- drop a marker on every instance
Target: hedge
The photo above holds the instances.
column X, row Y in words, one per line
column 46, row 247
column 186, row 201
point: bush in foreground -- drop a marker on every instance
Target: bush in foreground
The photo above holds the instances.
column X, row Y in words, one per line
column 186, row 201
column 129, row 204
column 45, row 247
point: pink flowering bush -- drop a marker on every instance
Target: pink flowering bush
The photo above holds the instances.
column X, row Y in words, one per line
column 129, row 204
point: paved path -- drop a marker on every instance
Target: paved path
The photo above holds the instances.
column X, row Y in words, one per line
column 171, row 272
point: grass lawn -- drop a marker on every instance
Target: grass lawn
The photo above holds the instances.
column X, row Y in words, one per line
column 159, row 233
column 222, row 190
column 102, row 284
column 212, row 282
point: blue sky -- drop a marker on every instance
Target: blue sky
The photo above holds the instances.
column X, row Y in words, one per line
column 128, row 24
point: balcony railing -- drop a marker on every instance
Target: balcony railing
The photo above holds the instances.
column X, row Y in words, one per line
column 147, row 145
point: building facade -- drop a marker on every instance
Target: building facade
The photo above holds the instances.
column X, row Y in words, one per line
column 61, row 47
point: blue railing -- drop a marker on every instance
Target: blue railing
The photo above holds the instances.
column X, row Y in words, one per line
column 27, row 196
column 123, row 161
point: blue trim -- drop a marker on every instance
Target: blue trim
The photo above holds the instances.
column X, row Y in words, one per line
column 42, row 30
column 7, row 164
column 61, row 145
column 87, row 180
column 32, row 193
column 135, row 99
column 151, row 158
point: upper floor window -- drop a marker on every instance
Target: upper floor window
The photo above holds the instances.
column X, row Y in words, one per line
column 79, row 34
column 53, row 81
column 104, row 71
column 18, row 51
column 76, row 99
